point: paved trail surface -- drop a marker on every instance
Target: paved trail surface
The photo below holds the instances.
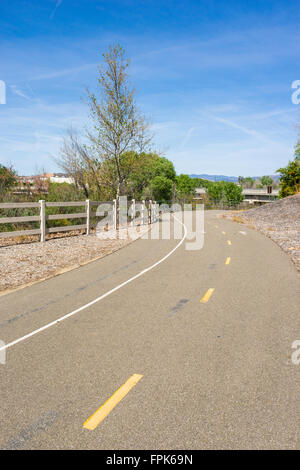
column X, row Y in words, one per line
column 209, row 331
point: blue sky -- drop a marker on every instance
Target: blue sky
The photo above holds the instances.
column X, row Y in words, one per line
column 214, row 77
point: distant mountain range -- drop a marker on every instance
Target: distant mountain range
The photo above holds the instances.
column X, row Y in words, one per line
column 233, row 179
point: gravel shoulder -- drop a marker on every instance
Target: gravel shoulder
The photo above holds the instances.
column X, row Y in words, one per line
column 26, row 263
column 279, row 221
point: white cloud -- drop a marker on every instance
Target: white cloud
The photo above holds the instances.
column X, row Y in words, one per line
column 58, row 3
column 62, row 72
column 30, row 135
column 187, row 137
column 19, row 92
column 251, row 132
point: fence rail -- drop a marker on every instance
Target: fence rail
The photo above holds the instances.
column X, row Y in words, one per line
column 19, row 205
column 147, row 212
column 20, row 233
column 15, row 220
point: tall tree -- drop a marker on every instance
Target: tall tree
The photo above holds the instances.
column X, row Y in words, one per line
column 185, row 187
column 7, row 179
column 266, row 180
column 248, row 182
column 297, row 148
column 73, row 160
column 289, row 179
column 297, row 152
column 118, row 125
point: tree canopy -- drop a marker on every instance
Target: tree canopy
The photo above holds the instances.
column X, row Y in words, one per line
column 289, row 178
column 118, row 125
column 246, row 182
column 185, row 187
column 266, row 180
column 7, row 179
column 226, row 192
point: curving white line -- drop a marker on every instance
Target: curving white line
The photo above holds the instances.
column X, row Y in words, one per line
column 68, row 315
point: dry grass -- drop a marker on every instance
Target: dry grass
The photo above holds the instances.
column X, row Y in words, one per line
column 237, row 219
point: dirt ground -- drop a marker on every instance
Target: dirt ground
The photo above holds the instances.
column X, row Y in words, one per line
column 31, row 261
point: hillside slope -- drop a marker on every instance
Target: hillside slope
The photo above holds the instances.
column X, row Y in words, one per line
column 278, row 220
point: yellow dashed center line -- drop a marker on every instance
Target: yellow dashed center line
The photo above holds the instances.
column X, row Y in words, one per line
column 227, row 260
column 207, row 295
column 224, row 233
column 229, row 242
column 93, row 421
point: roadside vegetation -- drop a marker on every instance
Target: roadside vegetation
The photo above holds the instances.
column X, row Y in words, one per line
column 290, row 175
column 225, row 192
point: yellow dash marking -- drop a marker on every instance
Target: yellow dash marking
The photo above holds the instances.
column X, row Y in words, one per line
column 224, row 233
column 216, row 226
column 229, row 242
column 207, row 295
column 227, row 260
column 93, row 421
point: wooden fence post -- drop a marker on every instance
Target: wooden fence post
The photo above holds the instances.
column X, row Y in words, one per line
column 88, row 216
column 150, row 212
column 132, row 212
column 43, row 220
column 155, row 214
column 143, row 212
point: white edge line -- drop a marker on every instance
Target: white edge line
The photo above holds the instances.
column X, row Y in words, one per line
column 68, row 315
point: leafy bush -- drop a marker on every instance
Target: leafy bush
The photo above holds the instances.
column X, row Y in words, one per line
column 216, row 191
column 7, row 180
column 161, row 187
column 266, row 180
column 289, row 179
column 233, row 193
column 185, row 187
column 225, row 192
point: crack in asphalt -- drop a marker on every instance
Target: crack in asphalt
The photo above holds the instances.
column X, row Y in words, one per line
column 42, row 424
column 178, row 307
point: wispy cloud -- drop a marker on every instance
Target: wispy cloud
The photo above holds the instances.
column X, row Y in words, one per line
column 187, row 137
column 217, row 91
column 63, row 72
column 19, row 92
column 58, row 3
column 34, row 132
column 245, row 130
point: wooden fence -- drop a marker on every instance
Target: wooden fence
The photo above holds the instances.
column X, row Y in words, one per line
column 150, row 210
